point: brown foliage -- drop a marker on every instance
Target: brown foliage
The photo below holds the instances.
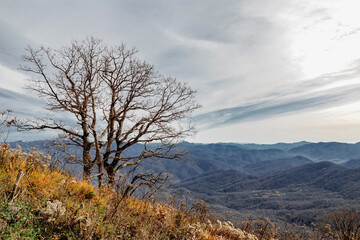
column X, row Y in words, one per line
column 340, row 225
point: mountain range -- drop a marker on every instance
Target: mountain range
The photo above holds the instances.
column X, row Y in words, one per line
column 297, row 182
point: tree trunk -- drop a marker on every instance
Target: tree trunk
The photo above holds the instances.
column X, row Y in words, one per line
column 87, row 172
column 87, row 164
column 111, row 179
column 110, row 174
column 100, row 174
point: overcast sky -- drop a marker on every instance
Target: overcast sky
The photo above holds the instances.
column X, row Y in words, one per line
column 265, row 71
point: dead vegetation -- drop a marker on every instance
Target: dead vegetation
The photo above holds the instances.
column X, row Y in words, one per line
column 50, row 204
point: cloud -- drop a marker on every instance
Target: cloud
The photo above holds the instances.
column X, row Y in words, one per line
column 248, row 60
column 21, row 104
column 269, row 109
column 319, row 93
column 12, row 45
column 26, row 107
column 202, row 42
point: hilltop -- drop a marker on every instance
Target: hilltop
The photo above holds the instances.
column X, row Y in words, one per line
column 49, row 204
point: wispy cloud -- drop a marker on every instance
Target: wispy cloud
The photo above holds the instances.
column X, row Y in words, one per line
column 315, row 94
column 21, row 104
column 269, row 109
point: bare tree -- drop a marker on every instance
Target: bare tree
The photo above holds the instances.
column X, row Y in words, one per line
column 342, row 224
column 116, row 100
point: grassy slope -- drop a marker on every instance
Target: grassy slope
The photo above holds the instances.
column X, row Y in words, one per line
column 50, row 204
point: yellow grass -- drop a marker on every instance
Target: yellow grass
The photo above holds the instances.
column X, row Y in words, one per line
column 83, row 211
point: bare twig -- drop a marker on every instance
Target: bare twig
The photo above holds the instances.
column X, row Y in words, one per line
column 14, row 193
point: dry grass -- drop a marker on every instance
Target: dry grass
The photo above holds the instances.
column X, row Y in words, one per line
column 50, row 204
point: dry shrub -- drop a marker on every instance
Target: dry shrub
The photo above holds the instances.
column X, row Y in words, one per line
column 343, row 225
column 227, row 230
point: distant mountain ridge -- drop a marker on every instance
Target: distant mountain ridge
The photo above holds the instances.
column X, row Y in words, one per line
column 275, row 165
column 330, row 151
column 304, row 192
column 254, row 159
column 302, row 179
column 282, row 146
column 352, row 163
column 325, row 175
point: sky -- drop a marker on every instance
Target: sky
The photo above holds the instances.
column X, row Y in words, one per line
column 264, row 71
